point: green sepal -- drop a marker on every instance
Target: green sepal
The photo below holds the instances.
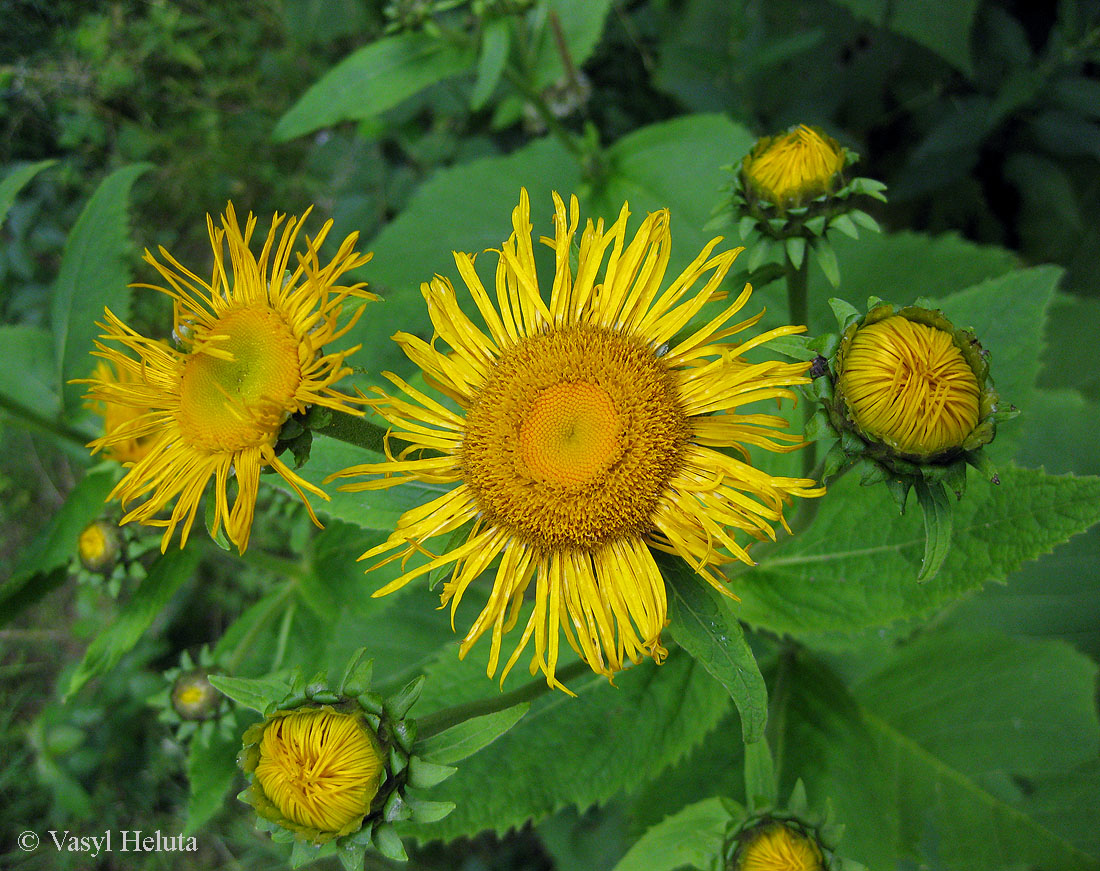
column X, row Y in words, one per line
column 798, row 804
column 864, row 220
column 317, row 685
column 846, row 226
column 351, row 856
column 985, row 466
column 760, row 253
column 826, row 259
column 397, row 706
column 745, row 226
column 395, row 808
column 357, row 675
column 294, row 700
column 796, row 250
column 816, row 224
column 398, row 761
column 302, row 854
column 405, row 733
column 388, row 843
column 835, row 460
column 428, row 811
column 873, row 474
column 899, row 489
column 325, row 697
column 845, row 313
column 219, row 538
column 934, row 502
column 374, row 720
column 370, row 702
column 282, row 836
column 424, row 775
column 816, row 427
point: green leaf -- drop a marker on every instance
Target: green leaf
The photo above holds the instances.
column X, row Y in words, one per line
column 15, row 181
column 373, row 79
column 418, row 243
column 826, row 259
column 941, row 27
column 796, row 250
column 253, row 693
column 704, row 623
column 693, row 836
column 466, row 738
column 947, row 718
column 166, row 576
column 936, row 507
column 28, row 372
column 559, row 754
column 676, row 165
column 57, row 543
column 495, row 41
column 854, row 569
column 211, row 770
column 93, row 275
column 899, row 267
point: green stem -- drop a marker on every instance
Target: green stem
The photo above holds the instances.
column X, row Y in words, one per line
column 553, row 124
column 440, row 721
column 353, row 429
column 798, row 305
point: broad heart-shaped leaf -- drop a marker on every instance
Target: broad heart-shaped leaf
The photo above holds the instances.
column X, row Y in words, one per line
column 855, row 568
column 568, row 750
column 964, row 721
column 935, row 754
column 468, row 737
column 373, row 79
column 167, row 575
column 211, row 770
column 464, row 208
column 899, row 267
column 676, row 165
column 704, row 623
column 56, row 544
column 28, row 373
column 693, row 836
column 93, row 275
column 941, row 27
column 15, row 181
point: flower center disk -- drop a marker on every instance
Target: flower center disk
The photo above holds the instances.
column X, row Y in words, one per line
column 573, row 437
column 239, row 381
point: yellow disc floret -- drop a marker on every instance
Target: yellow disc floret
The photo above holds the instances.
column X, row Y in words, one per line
column 238, row 383
column 778, row 847
column 573, row 438
column 321, row 768
column 909, row 385
column 795, row 167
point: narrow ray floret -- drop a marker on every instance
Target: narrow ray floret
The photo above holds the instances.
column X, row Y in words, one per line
column 588, row 435
column 251, row 351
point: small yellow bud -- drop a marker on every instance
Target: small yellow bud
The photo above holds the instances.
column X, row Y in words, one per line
column 98, row 547
column 793, row 168
column 778, row 847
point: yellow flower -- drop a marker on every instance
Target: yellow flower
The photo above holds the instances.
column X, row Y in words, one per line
column 253, row 353
column 320, row 768
column 908, row 384
column 793, row 168
column 588, row 436
column 117, row 415
column 98, row 546
column 777, row 847
column 193, row 697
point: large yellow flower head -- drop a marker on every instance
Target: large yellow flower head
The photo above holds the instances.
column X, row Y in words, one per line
column 252, row 352
column 793, row 168
column 587, row 436
column 908, row 384
column 320, row 769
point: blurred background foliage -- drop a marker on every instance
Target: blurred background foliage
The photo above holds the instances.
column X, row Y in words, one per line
column 982, row 116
